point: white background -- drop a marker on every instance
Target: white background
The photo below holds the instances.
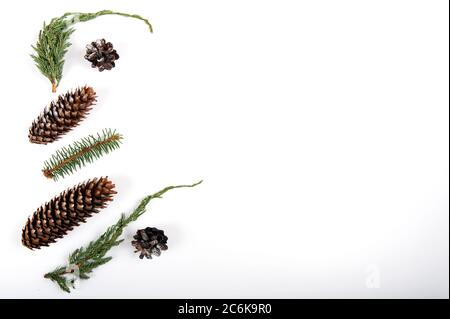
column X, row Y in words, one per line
column 320, row 129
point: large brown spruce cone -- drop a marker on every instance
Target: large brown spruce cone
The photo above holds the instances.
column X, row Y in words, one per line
column 54, row 219
column 62, row 115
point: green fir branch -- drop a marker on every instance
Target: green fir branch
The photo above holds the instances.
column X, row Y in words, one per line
column 70, row 158
column 53, row 41
column 85, row 259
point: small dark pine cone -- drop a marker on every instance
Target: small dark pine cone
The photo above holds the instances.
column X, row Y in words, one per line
column 101, row 55
column 149, row 241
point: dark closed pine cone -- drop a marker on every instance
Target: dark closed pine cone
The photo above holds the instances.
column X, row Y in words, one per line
column 149, row 241
column 54, row 219
column 62, row 115
column 101, row 54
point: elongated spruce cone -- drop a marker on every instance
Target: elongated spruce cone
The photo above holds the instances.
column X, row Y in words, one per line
column 54, row 219
column 62, row 115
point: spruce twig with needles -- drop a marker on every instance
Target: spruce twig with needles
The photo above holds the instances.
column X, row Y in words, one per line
column 71, row 158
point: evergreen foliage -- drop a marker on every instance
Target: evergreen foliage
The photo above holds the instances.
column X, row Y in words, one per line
column 53, row 41
column 70, row 158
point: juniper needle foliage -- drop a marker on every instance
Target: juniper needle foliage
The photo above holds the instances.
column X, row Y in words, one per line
column 53, row 41
column 85, row 259
column 70, row 158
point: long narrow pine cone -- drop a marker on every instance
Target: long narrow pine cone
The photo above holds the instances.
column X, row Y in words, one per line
column 62, row 115
column 55, row 218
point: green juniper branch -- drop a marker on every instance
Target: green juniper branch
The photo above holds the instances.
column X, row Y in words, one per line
column 70, row 158
column 53, row 41
column 85, row 259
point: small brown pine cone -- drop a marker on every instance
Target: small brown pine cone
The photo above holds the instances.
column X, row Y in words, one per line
column 149, row 241
column 62, row 115
column 54, row 219
column 101, row 54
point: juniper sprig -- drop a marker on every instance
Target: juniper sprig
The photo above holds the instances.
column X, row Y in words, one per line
column 84, row 260
column 70, row 158
column 53, row 41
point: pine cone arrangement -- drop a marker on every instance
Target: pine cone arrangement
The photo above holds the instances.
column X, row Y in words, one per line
column 62, row 115
column 149, row 241
column 101, row 54
column 54, row 219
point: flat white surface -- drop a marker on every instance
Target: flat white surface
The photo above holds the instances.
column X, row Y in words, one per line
column 320, row 129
